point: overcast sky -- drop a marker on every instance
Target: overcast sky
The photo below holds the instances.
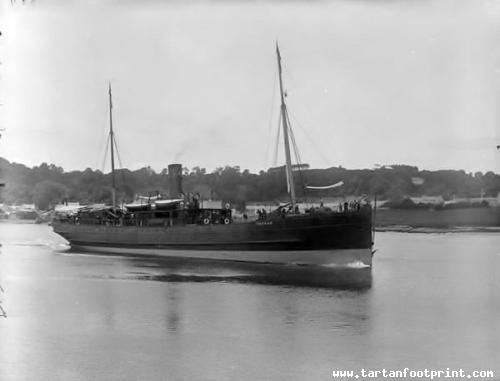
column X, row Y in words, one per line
column 407, row 82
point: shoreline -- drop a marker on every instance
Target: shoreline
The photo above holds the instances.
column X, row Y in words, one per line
column 428, row 229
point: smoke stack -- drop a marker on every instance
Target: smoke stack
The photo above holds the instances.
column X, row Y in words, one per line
column 175, row 180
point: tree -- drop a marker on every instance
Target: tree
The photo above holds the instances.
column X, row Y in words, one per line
column 47, row 193
column 48, row 184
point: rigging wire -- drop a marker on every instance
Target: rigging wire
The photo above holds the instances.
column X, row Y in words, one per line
column 297, row 154
column 108, row 143
column 119, row 161
column 102, row 140
column 315, row 146
column 275, row 156
column 3, row 313
column 294, row 83
column 270, row 128
column 105, row 154
column 294, row 144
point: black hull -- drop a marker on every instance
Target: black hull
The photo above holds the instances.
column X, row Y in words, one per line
column 298, row 233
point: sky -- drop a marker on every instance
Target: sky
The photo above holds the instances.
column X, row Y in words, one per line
column 367, row 82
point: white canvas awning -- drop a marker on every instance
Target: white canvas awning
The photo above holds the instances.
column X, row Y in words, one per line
column 336, row 185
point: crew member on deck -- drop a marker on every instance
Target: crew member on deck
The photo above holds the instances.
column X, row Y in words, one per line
column 259, row 213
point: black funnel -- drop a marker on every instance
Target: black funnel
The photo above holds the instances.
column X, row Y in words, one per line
column 175, row 180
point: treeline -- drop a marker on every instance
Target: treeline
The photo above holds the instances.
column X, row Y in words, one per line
column 47, row 184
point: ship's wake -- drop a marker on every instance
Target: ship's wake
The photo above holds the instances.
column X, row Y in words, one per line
column 350, row 265
column 356, row 277
column 38, row 243
column 351, row 276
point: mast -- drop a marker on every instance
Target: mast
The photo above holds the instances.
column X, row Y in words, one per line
column 112, row 142
column 289, row 173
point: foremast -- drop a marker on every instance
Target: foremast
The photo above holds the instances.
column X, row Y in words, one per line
column 112, row 143
column 284, row 119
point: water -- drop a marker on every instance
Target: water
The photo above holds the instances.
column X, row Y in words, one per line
column 431, row 301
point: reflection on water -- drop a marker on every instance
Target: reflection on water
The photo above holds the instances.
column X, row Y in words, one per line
column 173, row 317
column 430, row 301
column 199, row 270
column 168, row 269
column 187, row 270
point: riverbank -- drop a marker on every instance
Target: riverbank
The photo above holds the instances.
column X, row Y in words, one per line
column 424, row 229
column 438, row 220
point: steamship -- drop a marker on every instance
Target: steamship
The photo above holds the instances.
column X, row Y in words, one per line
column 180, row 227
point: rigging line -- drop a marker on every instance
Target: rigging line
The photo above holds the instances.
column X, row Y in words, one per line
column 315, row 146
column 297, row 156
column 294, row 144
column 105, row 154
column 295, row 147
column 103, row 138
column 270, row 128
column 275, row 156
column 119, row 161
column 299, row 160
column 292, row 83
column 117, row 153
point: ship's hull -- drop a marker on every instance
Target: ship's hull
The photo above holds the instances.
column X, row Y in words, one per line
column 332, row 238
column 339, row 257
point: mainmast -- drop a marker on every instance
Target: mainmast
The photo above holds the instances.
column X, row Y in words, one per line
column 112, row 142
column 284, row 118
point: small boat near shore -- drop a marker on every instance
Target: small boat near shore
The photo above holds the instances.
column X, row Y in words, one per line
column 23, row 214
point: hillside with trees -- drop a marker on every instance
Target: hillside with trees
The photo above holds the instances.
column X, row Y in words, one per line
column 46, row 185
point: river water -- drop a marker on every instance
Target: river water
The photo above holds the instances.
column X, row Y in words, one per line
column 431, row 301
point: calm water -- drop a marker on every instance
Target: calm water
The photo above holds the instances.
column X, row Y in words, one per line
column 430, row 301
